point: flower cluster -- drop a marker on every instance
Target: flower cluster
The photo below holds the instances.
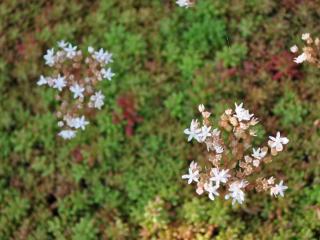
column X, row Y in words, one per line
column 310, row 52
column 184, row 3
column 230, row 160
column 75, row 78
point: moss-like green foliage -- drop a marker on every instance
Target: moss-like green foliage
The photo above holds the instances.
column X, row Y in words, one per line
column 290, row 110
column 105, row 184
column 231, row 56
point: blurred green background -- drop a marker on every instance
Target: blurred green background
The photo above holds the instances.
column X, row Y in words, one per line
column 115, row 181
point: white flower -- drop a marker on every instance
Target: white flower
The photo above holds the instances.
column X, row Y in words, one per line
column 193, row 166
column 77, row 90
column 42, row 81
column 102, row 56
column 236, row 193
column 107, row 58
column 183, row 3
column 90, row 49
column 67, row 134
column 71, row 122
column 305, row 36
column 212, row 190
column 49, row 57
column 193, row 131
column 59, row 83
column 97, row 100
column 278, row 189
column 294, row 49
column 258, row 154
column 71, row 51
column 81, row 123
column 219, row 176
column 301, row 58
column 193, row 175
column 241, row 113
column 62, row 44
column 108, row 74
column 205, row 132
column 206, row 114
column 277, row 142
column 77, row 122
column 219, row 149
column 201, row 108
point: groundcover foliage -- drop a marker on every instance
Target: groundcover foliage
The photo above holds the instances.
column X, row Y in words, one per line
column 114, row 183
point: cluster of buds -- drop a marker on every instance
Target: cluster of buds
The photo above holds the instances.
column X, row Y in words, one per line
column 230, row 160
column 185, row 3
column 75, row 78
column 310, row 52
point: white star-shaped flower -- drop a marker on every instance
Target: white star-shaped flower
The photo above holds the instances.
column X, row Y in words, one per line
column 81, row 123
column 193, row 175
column 218, row 176
column 205, row 132
column 278, row 189
column 193, row 166
column 77, row 90
column 104, row 57
column 97, row 100
column 49, row 57
column 258, row 154
column 71, row 51
column 242, row 114
column 67, row 134
column 212, row 190
column 59, row 83
column 42, row 81
column 236, row 192
column 62, row 44
column 107, row 74
column 76, row 122
column 194, row 130
column 277, row 142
